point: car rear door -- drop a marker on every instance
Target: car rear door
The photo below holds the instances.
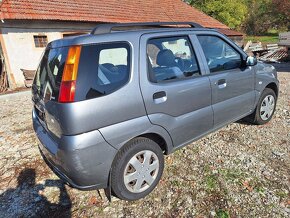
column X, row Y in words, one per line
column 175, row 89
column 232, row 82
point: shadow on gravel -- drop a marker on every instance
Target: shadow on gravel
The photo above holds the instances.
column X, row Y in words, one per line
column 245, row 122
column 282, row 67
column 26, row 200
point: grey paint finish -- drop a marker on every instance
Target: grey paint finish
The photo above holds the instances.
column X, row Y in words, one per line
column 88, row 134
column 80, row 157
column 117, row 137
column 78, row 117
column 235, row 95
column 84, row 116
column 265, row 74
column 185, row 127
column 236, row 98
column 183, row 98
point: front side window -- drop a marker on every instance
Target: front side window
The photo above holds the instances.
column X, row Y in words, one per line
column 219, row 54
column 171, row 58
column 103, row 69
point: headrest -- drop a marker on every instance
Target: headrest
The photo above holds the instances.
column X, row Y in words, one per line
column 166, row 58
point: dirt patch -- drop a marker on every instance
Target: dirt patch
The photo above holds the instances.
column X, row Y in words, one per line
column 239, row 171
column 16, row 90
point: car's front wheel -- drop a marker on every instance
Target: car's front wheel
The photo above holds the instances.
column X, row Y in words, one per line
column 137, row 169
column 265, row 107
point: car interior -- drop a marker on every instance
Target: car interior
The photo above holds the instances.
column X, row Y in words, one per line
column 164, row 64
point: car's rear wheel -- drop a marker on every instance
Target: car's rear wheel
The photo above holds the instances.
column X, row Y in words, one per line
column 137, row 169
column 265, row 107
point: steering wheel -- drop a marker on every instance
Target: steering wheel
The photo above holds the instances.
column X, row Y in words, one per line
column 180, row 63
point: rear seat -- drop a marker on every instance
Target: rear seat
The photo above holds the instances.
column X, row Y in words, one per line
column 168, row 68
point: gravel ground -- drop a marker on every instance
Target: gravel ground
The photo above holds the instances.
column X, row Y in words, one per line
column 239, row 171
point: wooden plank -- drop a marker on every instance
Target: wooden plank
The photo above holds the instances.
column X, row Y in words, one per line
column 272, row 46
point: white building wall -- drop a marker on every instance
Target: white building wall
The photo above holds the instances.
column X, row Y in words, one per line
column 21, row 50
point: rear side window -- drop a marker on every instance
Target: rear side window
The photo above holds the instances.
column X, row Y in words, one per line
column 103, row 69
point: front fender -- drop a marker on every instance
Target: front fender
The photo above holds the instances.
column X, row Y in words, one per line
column 266, row 76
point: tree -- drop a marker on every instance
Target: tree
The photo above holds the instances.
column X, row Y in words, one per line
column 230, row 12
column 281, row 9
column 255, row 17
column 264, row 15
column 259, row 17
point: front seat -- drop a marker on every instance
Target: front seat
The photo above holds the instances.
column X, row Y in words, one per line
column 168, row 68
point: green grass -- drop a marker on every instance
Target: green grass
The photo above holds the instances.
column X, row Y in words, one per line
column 232, row 175
column 175, row 183
column 281, row 194
column 211, row 182
column 259, row 189
column 272, row 36
column 222, row 214
column 263, row 39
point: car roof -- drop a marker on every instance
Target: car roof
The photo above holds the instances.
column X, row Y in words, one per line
column 137, row 33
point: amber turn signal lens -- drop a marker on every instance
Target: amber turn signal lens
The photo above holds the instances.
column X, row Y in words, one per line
column 69, row 76
column 72, row 64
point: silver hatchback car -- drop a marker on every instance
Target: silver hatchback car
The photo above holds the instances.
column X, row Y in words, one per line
column 109, row 105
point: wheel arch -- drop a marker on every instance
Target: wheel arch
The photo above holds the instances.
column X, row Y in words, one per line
column 158, row 139
column 120, row 134
column 274, row 87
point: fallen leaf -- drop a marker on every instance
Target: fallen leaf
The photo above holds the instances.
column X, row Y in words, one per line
column 247, row 186
column 93, row 200
column 169, row 161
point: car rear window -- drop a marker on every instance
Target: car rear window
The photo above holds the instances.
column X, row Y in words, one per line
column 103, row 69
column 49, row 73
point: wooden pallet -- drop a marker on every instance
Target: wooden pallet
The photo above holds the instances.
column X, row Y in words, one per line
column 274, row 56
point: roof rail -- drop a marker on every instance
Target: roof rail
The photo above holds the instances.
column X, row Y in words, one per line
column 107, row 28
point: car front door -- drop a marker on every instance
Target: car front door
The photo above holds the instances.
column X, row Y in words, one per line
column 232, row 82
column 176, row 92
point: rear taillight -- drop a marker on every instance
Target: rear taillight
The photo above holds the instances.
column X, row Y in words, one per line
column 67, row 91
column 69, row 77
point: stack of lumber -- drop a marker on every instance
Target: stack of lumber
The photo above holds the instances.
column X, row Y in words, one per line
column 276, row 55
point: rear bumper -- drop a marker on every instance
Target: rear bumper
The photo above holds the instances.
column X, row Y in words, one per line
column 83, row 161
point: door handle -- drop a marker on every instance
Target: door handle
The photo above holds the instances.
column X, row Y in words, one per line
column 159, row 97
column 222, row 83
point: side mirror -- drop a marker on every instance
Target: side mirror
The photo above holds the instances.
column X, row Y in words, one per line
column 251, row 61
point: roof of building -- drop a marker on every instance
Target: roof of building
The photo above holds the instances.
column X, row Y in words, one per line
column 229, row 32
column 106, row 11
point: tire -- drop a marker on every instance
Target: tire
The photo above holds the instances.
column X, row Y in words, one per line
column 132, row 176
column 265, row 108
